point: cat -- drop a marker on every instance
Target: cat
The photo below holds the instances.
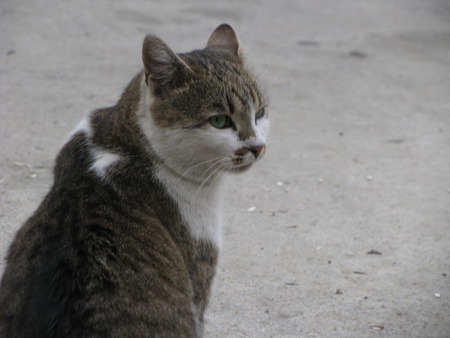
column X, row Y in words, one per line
column 126, row 242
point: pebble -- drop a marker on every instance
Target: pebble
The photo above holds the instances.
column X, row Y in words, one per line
column 377, row 327
column 251, row 209
column 437, row 295
column 374, row 252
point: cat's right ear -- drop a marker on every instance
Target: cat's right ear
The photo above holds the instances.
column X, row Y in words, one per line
column 163, row 68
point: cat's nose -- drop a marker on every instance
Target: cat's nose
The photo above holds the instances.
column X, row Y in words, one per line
column 257, row 150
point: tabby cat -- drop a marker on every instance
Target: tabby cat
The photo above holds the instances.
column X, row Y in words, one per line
column 125, row 244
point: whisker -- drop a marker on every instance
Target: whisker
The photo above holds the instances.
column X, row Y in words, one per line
column 212, row 174
column 195, row 166
column 272, row 142
column 211, row 167
column 215, row 178
column 271, row 63
column 219, row 167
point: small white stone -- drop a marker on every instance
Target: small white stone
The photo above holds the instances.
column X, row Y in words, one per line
column 369, row 178
column 280, row 183
column 251, row 209
column 377, row 327
column 320, row 180
column 437, row 295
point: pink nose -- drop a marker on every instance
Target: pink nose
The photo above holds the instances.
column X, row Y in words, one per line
column 256, row 151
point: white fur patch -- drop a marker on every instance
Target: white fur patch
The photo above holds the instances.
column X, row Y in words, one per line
column 83, row 127
column 200, row 206
column 102, row 161
column 261, row 130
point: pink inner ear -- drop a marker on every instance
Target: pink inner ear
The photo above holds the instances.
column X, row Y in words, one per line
column 224, row 37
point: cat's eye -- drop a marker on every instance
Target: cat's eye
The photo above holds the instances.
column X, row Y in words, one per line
column 260, row 114
column 221, row 121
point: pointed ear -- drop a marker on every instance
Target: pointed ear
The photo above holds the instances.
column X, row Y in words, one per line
column 163, row 67
column 224, row 38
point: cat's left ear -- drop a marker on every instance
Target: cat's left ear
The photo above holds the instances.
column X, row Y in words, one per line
column 224, row 38
column 163, row 68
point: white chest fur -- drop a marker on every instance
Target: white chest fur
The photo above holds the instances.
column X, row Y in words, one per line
column 200, row 205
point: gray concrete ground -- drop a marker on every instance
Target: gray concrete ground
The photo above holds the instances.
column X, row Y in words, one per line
column 359, row 157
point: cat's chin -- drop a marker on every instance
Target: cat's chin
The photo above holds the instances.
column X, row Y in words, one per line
column 240, row 169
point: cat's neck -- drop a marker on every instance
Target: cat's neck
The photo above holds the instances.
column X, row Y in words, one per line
column 200, row 205
column 199, row 200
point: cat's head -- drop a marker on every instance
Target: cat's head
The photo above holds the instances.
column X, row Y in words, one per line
column 208, row 114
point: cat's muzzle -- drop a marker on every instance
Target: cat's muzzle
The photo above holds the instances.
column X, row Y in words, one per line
column 246, row 156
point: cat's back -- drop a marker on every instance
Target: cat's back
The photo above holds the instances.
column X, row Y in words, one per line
column 94, row 261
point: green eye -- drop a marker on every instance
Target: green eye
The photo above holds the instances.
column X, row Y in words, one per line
column 220, row 121
column 260, row 114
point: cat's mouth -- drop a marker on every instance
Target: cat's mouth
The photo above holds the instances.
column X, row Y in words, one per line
column 241, row 163
column 241, row 167
column 246, row 157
